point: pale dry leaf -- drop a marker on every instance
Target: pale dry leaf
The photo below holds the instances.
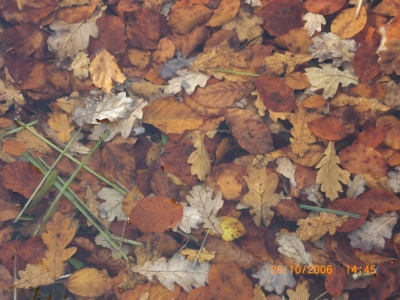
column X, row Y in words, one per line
column 199, row 159
column 89, row 283
column 80, row 66
column 372, row 233
column 313, row 193
column 301, row 292
column 272, row 281
column 330, row 174
column 302, row 135
column 392, row 98
column 253, row 2
column 328, row 78
column 101, row 241
column 178, row 270
column 104, row 70
column 330, row 46
column 187, row 80
column 317, row 226
column 259, row 104
column 67, row 39
column 356, row 187
column 203, row 209
column 9, row 96
column 261, row 196
column 393, row 180
column 279, row 63
column 193, row 254
column 112, row 207
column 314, row 23
column 61, row 123
column 360, row 104
column 292, row 246
column 286, row 168
column 247, row 25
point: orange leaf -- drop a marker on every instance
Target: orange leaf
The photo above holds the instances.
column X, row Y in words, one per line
column 324, row 7
column 61, row 123
column 156, row 214
column 182, row 20
column 380, row 201
column 89, row 282
column 327, row 128
column 345, row 25
column 225, row 12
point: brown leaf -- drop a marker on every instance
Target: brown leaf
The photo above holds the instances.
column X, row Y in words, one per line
column 392, row 137
column 350, row 205
column 156, row 214
column 335, row 281
column 327, row 128
column 249, row 130
column 380, row 201
column 104, row 70
column 171, row 116
column 324, row 7
column 61, row 123
column 372, row 137
column 183, row 19
column 226, row 11
column 390, row 61
column 166, row 50
column 345, row 25
column 89, row 282
column 195, row 38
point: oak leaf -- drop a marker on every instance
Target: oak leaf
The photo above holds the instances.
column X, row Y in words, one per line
column 261, row 197
column 193, row 255
column 89, row 282
column 316, row 227
column 292, row 246
column 302, row 135
column 371, row 234
column 59, row 235
column 80, row 66
column 9, row 95
column 104, row 70
column 68, row 40
column 178, row 270
column 246, row 24
column 187, row 80
column 328, row 78
column 272, row 281
column 200, row 159
column 285, row 63
column 61, row 123
column 314, row 23
column 330, row 174
column 112, row 207
column 225, row 12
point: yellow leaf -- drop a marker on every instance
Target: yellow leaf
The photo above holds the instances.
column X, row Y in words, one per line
column 232, row 229
column 104, row 69
column 330, row 174
column 89, row 282
column 316, row 227
column 203, row 256
column 345, row 25
column 61, row 123
column 301, row 292
column 225, row 12
column 261, row 196
column 279, row 63
column 199, row 159
column 302, row 136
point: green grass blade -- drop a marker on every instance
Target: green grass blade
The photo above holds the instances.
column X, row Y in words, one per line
column 14, row 130
column 337, row 212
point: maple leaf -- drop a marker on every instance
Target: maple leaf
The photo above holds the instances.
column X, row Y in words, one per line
column 61, row 123
column 9, row 96
column 203, row 209
column 80, row 66
column 112, row 207
column 371, row 234
column 317, row 226
column 330, row 46
column 360, row 104
column 272, row 281
column 199, row 159
column 393, row 180
column 178, row 270
column 302, row 135
column 194, row 254
column 286, row 168
column 261, row 197
column 292, row 246
column 104, row 70
column 314, row 22
column 301, row 292
column 246, row 24
column 187, row 80
column 330, row 174
column 68, row 40
column 328, row 78
column 280, row 63
column 58, row 236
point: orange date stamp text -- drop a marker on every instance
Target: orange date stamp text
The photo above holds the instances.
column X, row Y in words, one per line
column 301, row 269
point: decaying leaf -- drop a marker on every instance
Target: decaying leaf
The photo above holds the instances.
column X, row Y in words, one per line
column 178, row 270
column 9, row 96
column 286, row 168
column 104, row 70
column 328, row 78
column 390, row 61
column 371, row 234
column 112, row 207
column 80, row 66
column 279, row 63
column 314, row 22
column 330, row 174
column 226, row 11
column 316, row 227
column 199, row 159
column 356, row 187
column 360, row 104
column 261, row 196
column 187, row 80
column 101, row 241
column 274, row 281
column 292, row 246
column 393, row 180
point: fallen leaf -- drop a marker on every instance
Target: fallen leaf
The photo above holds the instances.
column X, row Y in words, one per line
column 101, row 241
column 9, row 96
column 360, row 104
column 346, row 25
column 323, row 7
column 225, row 12
column 278, row 63
column 199, row 159
column 61, row 123
column 314, row 23
column 330, row 174
column 232, row 229
column 391, row 138
column 292, row 246
column 193, row 255
column 89, row 282
column 178, row 270
column 80, row 66
column 301, row 292
column 261, row 197
column 393, row 180
column 356, row 187
column 183, row 19
column 112, row 207
column 286, row 168
column 372, row 233
column 328, row 78
column 392, row 92
column 316, row 227
column 389, row 58
column 104, row 70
